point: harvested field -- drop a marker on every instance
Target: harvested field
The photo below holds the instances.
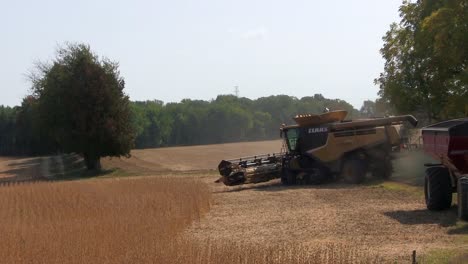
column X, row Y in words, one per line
column 390, row 222
column 206, row 157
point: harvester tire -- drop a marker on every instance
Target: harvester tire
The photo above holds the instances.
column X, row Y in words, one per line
column 437, row 188
column 383, row 169
column 353, row 171
column 463, row 198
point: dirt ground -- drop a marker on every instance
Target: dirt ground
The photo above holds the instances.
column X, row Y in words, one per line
column 391, row 223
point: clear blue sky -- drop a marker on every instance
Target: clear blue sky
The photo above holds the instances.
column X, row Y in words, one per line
column 170, row 50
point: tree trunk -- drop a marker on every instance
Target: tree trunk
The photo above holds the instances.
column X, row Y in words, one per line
column 93, row 162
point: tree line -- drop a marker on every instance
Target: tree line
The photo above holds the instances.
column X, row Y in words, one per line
column 224, row 119
column 156, row 124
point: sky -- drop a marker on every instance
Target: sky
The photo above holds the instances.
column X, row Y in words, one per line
column 198, row 49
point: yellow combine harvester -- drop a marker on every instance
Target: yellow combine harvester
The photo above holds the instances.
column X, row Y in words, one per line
column 323, row 147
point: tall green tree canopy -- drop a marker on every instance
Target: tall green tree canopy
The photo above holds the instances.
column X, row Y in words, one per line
column 426, row 58
column 224, row 119
column 82, row 105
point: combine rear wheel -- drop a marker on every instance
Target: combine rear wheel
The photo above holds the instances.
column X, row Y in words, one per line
column 383, row 169
column 437, row 188
column 353, row 171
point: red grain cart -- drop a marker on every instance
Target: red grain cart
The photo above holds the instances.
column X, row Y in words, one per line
column 447, row 142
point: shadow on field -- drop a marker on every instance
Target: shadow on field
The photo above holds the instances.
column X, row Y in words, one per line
column 25, row 162
column 22, row 171
column 270, row 186
column 459, row 230
column 63, row 167
column 277, row 186
column 444, row 218
column 74, row 168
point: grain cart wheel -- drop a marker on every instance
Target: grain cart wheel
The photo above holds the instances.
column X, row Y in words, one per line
column 437, row 188
column 353, row 171
column 463, row 198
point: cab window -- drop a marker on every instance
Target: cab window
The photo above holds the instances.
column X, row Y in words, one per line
column 291, row 138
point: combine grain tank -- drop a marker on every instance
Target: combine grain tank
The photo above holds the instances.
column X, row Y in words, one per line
column 447, row 142
column 323, row 147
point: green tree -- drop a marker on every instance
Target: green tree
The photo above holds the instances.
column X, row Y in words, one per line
column 426, row 59
column 7, row 130
column 368, row 109
column 82, row 104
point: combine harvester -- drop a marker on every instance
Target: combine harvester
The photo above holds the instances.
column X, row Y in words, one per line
column 323, row 147
column 447, row 142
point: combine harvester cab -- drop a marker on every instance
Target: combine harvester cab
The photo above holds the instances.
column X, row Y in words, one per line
column 447, row 142
column 322, row 147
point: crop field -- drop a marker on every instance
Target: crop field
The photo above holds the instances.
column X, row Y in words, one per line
column 194, row 158
column 162, row 206
column 103, row 221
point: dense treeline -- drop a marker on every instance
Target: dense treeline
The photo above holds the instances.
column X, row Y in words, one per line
column 20, row 133
column 8, row 129
column 189, row 122
column 225, row 119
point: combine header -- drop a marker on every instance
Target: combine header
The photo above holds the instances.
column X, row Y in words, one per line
column 252, row 169
column 322, row 147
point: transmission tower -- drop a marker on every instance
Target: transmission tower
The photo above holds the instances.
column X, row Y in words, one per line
column 236, row 91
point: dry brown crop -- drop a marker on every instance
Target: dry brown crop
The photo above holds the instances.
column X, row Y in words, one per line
column 96, row 221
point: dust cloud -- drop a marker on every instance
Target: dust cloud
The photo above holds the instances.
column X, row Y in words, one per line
column 408, row 166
